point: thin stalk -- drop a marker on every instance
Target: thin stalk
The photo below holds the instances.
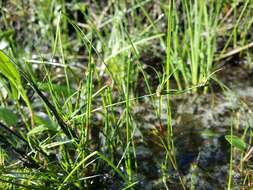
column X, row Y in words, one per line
column 128, row 125
column 169, row 136
column 59, row 30
column 235, row 27
column 167, row 72
column 89, row 86
column 152, row 24
column 231, row 161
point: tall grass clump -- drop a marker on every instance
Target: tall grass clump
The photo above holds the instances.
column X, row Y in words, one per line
column 194, row 40
column 72, row 80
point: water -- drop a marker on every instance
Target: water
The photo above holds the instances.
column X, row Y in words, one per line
column 200, row 124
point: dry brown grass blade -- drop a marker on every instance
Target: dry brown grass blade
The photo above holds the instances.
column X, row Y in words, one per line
column 234, row 51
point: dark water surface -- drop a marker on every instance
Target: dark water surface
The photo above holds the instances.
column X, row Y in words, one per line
column 200, row 123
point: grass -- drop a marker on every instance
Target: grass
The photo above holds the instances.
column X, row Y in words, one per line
column 73, row 75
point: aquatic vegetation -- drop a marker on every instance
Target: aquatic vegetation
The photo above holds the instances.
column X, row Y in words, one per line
column 122, row 94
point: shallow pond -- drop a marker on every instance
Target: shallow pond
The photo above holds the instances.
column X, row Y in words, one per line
column 200, row 123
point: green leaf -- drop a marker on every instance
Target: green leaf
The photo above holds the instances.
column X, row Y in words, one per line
column 8, row 117
column 45, row 122
column 54, row 144
column 59, row 89
column 237, row 142
column 38, row 129
column 14, row 92
column 208, row 133
column 8, row 69
column 43, row 125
